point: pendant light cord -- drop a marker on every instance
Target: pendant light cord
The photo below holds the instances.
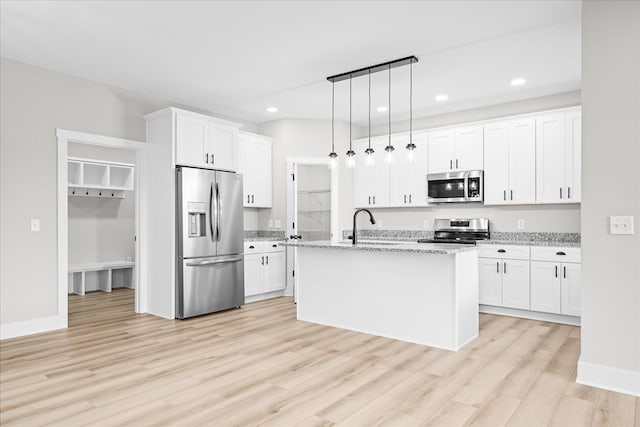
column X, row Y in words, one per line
column 369, row 108
column 411, row 103
column 350, row 109
column 389, row 109
column 333, row 107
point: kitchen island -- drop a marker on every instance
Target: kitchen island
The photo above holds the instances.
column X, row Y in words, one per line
column 420, row 293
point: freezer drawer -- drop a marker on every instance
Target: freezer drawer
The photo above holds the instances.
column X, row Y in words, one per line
column 211, row 284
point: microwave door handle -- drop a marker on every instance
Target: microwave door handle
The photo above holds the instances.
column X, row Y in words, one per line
column 466, row 186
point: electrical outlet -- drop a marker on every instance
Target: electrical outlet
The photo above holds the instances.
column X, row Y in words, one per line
column 270, row 223
column 278, row 223
column 620, row 225
column 520, row 224
column 35, row 225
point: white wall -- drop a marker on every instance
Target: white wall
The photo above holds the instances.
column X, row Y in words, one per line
column 610, row 355
column 33, row 103
column 101, row 229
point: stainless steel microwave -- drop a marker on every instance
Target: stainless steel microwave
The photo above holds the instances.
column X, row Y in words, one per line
column 455, row 187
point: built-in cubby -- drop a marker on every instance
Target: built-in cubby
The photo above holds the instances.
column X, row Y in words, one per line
column 97, row 178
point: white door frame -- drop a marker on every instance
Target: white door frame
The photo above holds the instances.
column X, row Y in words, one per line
column 64, row 137
column 292, row 168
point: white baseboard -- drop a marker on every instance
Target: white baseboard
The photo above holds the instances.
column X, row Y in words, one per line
column 608, row 378
column 533, row 315
column 30, row 327
column 260, row 297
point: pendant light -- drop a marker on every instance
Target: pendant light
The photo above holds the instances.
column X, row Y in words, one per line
column 351, row 160
column 389, row 148
column 333, row 157
column 370, row 151
column 411, row 147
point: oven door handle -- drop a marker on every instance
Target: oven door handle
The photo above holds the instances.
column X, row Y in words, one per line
column 466, row 186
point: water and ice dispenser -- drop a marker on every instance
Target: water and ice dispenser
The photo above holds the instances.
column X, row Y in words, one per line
column 197, row 219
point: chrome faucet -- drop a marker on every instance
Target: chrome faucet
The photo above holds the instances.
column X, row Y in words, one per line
column 355, row 231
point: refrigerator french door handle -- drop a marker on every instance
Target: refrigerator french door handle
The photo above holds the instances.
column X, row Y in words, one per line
column 219, row 212
column 205, row 263
column 211, row 213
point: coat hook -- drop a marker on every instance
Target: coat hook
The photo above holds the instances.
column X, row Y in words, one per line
column 100, row 194
column 111, row 194
column 87, row 193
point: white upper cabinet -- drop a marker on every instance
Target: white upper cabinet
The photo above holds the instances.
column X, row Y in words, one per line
column 468, row 153
column 205, row 142
column 457, row 149
column 558, row 156
column 407, row 178
column 509, row 162
column 440, row 151
column 254, row 153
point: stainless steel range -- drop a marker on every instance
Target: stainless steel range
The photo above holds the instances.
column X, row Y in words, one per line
column 459, row 230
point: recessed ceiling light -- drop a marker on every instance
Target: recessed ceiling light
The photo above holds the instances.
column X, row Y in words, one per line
column 381, row 109
column 518, row 81
column 272, row 109
column 442, row 97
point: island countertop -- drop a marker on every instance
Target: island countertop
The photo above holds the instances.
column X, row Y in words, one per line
column 419, row 248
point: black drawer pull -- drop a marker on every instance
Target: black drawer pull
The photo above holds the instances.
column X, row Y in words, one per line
column 274, row 246
column 501, row 251
column 252, row 247
column 560, row 253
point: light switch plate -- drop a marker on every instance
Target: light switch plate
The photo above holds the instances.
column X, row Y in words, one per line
column 620, row 225
column 35, row 225
column 278, row 223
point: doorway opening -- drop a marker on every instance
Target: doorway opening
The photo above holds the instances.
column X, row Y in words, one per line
column 312, row 207
column 98, row 196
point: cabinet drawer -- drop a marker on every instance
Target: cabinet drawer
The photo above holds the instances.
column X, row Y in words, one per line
column 555, row 253
column 504, row 251
column 262, row 247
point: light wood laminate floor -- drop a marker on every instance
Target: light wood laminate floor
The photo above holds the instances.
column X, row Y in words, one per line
column 260, row 366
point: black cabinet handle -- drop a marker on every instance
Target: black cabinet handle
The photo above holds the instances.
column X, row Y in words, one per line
column 511, row 194
column 456, row 163
column 498, row 267
column 409, row 198
column 212, row 159
column 564, row 271
column 262, row 260
column 274, row 246
column 253, row 199
column 405, row 198
column 450, row 164
column 369, row 199
column 267, row 259
column 248, row 198
column 568, row 192
column 374, row 200
column 504, row 195
column 560, row 192
column 501, row 251
column 556, row 271
column 252, row 247
column 504, row 266
column 560, row 253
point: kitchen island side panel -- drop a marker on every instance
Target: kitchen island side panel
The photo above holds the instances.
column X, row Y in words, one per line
column 405, row 296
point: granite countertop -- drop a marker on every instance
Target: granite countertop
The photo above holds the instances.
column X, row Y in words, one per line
column 530, row 243
column 406, row 247
column 264, row 239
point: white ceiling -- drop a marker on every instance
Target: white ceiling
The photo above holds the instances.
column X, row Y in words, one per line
column 236, row 58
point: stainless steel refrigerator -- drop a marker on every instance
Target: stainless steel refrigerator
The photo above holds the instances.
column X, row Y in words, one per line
column 210, row 235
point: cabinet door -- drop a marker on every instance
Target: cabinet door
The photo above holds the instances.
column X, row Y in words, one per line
column 571, row 280
column 550, row 134
column 244, row 167
column 253, row 274
column 361, row 176
column 274, row 267
column 515, row 284
column 490, row 280
column 221, row 146
column 545, row 286
column 440, row 151
column 380, row 175
column 522, row 161
column 496, row 163
column 399, row 173
column 573, row 156
column 468, row 148
column 191, row 137
column 262, row 179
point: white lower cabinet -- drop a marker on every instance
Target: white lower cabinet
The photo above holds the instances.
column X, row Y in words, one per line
column 555, row 287
column 504, row 283
column 264, row 269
